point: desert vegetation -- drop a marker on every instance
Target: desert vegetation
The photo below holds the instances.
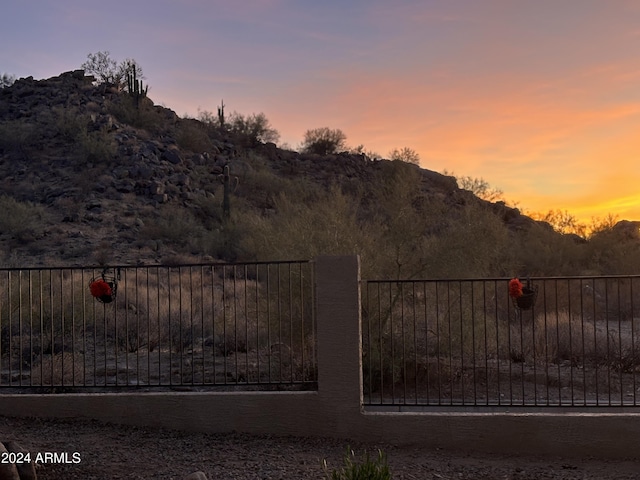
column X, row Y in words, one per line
column 404, row 221
column 199, row 325
column 466, row 343
column 98, row 174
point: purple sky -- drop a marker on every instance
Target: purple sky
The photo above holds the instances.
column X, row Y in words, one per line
column 539, row 97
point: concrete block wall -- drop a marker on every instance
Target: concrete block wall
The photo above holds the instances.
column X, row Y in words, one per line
column 335, row 409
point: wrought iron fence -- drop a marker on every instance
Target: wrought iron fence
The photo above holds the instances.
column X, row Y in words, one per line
column 468, row 343
column 216, row 325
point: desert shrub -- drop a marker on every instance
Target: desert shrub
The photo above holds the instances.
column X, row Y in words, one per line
column 192, row 135
column 17, row 136
column 562, row 221
column 179, row 228
column 405, row 154
column 366, row 469
column 140, row 114
column 478, row 186
column 20, row 219
column 329, row 225
column 556, row 337
column 90, row 145
column 324, row 141
column 425, row 332
column 253, row 128
column 97, row 146
column 539, row 251
column 61, row 369
column 108, row 71
column 612, row 252
column 68, row 124
column 103, row 67
column 262, row 187
column 228, row 242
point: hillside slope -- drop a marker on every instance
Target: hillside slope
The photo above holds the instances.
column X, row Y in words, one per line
column 91, row 177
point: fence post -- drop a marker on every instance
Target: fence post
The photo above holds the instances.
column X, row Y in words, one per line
column 337, row 290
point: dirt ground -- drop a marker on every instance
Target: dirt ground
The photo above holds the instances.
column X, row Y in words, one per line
column 106, row 451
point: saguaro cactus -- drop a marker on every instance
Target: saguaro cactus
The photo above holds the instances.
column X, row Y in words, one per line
column 221, row 113
column 225, row 178
column 135, row 86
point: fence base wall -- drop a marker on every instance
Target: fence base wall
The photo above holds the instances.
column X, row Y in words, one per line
column 302, row 414
column 286, row 413
column 598, row 435
column 335, row 410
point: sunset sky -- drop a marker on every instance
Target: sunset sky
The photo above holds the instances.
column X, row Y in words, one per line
column 541, row 98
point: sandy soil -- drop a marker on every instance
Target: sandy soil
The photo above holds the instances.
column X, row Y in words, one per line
column 108, row 451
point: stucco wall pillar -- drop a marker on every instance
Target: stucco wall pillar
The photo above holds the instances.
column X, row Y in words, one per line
column 337, row 291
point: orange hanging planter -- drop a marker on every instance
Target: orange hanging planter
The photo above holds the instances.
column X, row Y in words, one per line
column 523, row 297
column 515, row 288
column 103, row 289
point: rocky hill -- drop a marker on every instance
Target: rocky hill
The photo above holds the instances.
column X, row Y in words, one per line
column 94, row 176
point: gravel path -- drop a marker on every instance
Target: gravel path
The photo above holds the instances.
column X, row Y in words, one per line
column 123, row 452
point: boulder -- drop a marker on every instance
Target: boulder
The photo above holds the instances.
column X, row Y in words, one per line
column 26, row 471
column 8, row 471
column 172, row 156
column 196, row 476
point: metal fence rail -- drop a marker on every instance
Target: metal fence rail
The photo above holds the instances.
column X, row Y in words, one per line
column 467, row 343
column 239, row 325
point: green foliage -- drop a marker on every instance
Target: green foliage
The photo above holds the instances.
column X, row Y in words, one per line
column 405, row 154
column 473, row 243
column 367, row 469
column 323, row 224
column 324, row 141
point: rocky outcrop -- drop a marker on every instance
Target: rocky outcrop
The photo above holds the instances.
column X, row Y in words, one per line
column 102, row 167
column 17, row 463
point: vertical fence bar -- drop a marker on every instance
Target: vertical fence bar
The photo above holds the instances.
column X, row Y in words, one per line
column 291, row 346
column 52, row 315
column 426, row 343
column 621, row 363
column 10, row 322
column 608, row 365
column 381, row 357
column 403, row 370
column 415, row 368
column 545, row 331
column 633, row 341
column 570, row 327
column 235, row 322
column 73, row 328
